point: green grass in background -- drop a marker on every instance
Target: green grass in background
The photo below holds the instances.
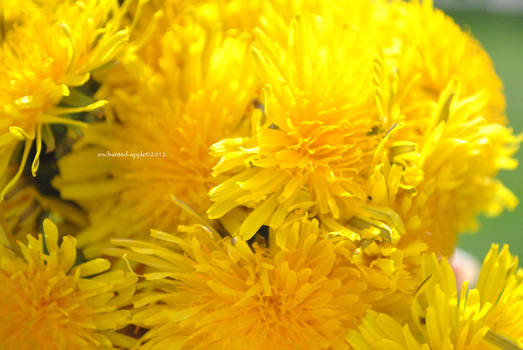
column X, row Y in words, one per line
column 502, row 36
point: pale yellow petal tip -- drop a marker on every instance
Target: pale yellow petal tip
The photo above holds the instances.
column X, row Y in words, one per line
column 19, row 133
column 94, row 267
column 50, row 229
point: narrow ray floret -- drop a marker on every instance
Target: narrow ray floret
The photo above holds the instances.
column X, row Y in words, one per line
column 46, row 302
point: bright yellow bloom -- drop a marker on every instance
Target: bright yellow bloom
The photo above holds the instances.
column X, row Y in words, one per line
column 450, row 138
column 216, row 293
column 48, row 303
column 297, row 288
column 439, row 184
column 486, row 318
column 45, row 53
column 163, row 133
column 313, row 147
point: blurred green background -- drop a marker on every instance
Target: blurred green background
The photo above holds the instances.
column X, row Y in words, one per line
column 501, row 34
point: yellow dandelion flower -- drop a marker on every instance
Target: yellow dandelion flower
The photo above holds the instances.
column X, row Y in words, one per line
column 159, row 146
column 207, row 292
column 48, row 303
column 44, row 55
column 486, row 318
column 313, row 147
column 449, row 138
column 202, row 291
column 438, row 185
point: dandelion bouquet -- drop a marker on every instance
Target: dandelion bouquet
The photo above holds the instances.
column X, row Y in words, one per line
column 263, row 174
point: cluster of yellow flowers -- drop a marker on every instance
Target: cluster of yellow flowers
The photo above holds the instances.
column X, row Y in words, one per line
column 262, row 174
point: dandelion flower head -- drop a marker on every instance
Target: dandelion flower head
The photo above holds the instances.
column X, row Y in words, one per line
column 311, row 148
column 48, row 303
column 452, row 140
column 207, row 292
column 201, row 95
